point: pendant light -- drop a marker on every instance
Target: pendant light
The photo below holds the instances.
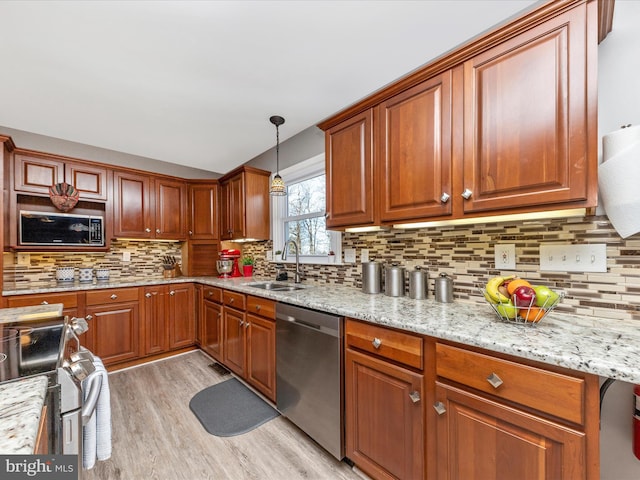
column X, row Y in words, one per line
column 278, row 187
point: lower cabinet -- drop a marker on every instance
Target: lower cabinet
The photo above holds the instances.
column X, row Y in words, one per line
column 384, row 414
column 211, row 322
column 114, row 324
column 234, row 333
column 169, row 321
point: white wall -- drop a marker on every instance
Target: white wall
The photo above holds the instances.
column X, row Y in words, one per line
column 619, row 104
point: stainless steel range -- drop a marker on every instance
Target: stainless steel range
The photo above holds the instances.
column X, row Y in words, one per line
column 46, row 343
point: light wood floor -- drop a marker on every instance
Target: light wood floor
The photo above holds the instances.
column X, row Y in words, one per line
column 157, row 437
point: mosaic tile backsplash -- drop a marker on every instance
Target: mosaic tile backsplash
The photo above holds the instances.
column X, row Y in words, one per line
column 466, row 253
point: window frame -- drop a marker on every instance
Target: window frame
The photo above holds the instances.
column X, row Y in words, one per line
column 299, row 172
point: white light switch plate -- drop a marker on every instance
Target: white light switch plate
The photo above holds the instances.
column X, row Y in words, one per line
column 505, row 255
column 573, row 258
column 364, row 255
column 126, row 256
column 24, row 259
column 349, row 255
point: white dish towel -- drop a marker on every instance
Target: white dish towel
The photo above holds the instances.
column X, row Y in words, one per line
column 97, row 431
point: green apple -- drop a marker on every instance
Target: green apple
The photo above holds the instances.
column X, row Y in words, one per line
column 508, row 310
column 545, row 297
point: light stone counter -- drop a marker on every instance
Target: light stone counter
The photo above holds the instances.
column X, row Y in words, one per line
column 605, row 347
column 21, row 403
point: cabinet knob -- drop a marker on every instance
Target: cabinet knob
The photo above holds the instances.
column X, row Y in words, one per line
column 445, row 197
column 210, row 293
column 114, row 296
column 231, row 300
column 467, row 194
column 148, row 295
column 241, row 323
column 494, row 380
column 89, row 317
column 246, row 325
column 376, row 342
column 44, row 302
column 148, row 230
column 257, row 308
column 157, row 230
column 219, row 314
column 190, row 232
column 440, row 408
column 415, row 396
column 172, row 293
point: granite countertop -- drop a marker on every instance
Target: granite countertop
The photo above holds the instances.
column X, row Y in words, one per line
column 605, row 347
column 21, row 403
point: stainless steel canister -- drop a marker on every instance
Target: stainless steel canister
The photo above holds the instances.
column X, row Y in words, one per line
column 394, row 280
column 418, row 284
column 371, row 277
column 444, row 289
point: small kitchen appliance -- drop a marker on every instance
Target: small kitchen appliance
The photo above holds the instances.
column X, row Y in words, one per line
column 228, row 263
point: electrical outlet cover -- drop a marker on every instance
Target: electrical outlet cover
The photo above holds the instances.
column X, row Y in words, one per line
column 505, row 256
column 349, row 255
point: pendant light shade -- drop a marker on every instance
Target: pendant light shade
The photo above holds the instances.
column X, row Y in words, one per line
column 278, row 188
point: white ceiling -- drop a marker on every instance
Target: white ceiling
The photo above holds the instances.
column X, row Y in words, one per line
column 195, row 82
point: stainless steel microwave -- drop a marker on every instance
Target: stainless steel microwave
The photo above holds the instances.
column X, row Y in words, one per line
column 61, row 229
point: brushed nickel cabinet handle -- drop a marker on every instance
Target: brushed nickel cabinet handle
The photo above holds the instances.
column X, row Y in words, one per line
column 148, row 295
column 148, row 230
column 440, row 408
column 246, row 325
column 44, row 302
column 467, row 194
column 89, row 317
column 172, row 293
column 190, row 232
column 445, row 197
column 114, row 296
column 376, row 342
column 257, row 308
column 415, row 396
column 157, row 230
column 210, row 293
column 494, row 380
column 231, row 300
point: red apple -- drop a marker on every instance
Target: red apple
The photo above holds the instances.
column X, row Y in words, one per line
column 524, row 297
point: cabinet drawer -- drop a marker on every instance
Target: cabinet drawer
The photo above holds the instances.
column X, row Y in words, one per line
column 398, row 346
column 261, row 306
column 212, row 293
column 550, row 392
column 234, row 299
column 112, row 295
column 69, row 300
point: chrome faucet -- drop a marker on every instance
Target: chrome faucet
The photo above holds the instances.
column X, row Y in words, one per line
column 299, row 275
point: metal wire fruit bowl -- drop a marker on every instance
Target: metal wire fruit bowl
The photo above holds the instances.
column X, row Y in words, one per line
column 528, row 315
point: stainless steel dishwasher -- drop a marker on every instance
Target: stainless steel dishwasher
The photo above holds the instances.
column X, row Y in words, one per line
column 309, row 365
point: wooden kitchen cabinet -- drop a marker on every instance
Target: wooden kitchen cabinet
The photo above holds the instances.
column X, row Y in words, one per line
column 181, row 309
column 169, row 318
column 384, row 402
column 502, row 125
column 350, row 172
column 234, row 339
column 414, row 151
column 114, row 318
column 155, row 325
column 35, row 172
column 212, row 322
column 528, row 108
column 245, row 208
column 203, row 211
column 149, row 207
column 501, row 419
column 261, row 345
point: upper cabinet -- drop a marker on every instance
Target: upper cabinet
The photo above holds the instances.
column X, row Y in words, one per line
column 504, row 124
column 349, row 172
column 35, row 173
column 203, row 211
column 148, row 207
column 244, row 212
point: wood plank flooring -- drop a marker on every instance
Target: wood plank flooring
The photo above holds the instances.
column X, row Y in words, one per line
column 157, row 437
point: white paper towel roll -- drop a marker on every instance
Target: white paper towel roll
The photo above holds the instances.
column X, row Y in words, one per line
column 619, row 179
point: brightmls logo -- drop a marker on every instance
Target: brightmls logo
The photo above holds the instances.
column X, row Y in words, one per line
column 40, row 467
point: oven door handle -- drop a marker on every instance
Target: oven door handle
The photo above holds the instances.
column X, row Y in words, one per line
column 89, row 405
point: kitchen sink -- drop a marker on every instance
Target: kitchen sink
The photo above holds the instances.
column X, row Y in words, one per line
column 274, row 286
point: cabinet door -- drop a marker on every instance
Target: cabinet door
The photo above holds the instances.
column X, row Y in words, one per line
column 480, row 439
column 526, row 107
column 170, row 209
column 234, row 343
column 261, row 355
column 182, row 325
column 414, row 151
column 232, row 221
column 384, row 418
column 36, row 174
column 349, row 172
column 212, row 332
column 156, row 338
column 90, row 181
column 116, row 330
column 203, row 212
column 201, row 258
column 132, row 206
